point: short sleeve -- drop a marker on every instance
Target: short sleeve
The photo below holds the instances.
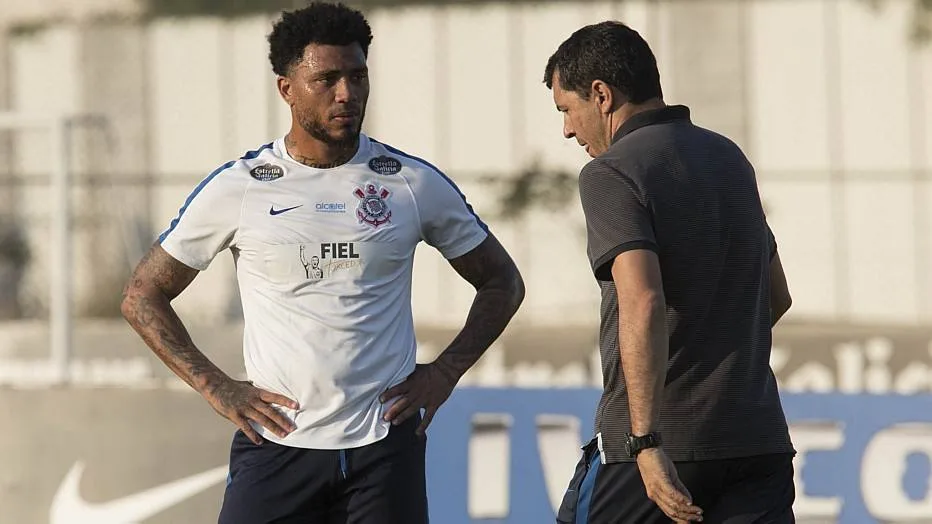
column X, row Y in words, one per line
column 448, row 222
column 207, row 221
column 617, row 217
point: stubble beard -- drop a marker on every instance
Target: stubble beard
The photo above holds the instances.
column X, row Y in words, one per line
column 316, row 129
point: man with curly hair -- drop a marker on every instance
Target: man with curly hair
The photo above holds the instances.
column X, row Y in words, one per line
column 330, row 422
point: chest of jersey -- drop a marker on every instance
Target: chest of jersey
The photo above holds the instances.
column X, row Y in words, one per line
column 325, row 229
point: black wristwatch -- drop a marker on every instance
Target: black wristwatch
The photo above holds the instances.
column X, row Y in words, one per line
column 635, row 445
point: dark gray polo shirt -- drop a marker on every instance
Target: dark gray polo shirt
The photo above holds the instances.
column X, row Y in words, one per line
column 691, row 196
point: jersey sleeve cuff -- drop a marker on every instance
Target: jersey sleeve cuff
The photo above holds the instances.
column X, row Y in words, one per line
column 173, row 249
column 465, row 246
column 602, row 266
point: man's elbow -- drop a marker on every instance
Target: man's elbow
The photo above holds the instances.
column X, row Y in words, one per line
column 136, row 294
column 779, row 305
column 518, row 289
column 786, row 302
column 512, row 283
column 128, row 302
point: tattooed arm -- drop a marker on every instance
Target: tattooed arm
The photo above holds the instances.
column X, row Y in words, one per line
column 499, row 293
column 147, row 297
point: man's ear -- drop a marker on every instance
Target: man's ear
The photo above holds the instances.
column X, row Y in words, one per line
column 605, row 97
column 285, row 90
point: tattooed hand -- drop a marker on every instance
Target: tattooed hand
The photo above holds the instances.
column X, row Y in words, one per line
column 428, row 387
column 240, row 402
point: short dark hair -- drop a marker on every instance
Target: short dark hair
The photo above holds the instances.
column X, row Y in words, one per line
column 607, row 51
column 319, row 23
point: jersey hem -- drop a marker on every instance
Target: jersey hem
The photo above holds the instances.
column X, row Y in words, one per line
column 300, row 443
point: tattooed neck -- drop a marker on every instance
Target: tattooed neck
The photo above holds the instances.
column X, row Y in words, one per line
column 343, row 156
column 310, row 162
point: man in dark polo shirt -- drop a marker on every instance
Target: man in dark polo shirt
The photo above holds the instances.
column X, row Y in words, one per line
column 690, row 426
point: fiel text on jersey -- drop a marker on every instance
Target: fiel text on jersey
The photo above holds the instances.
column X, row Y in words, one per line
column 338, row 250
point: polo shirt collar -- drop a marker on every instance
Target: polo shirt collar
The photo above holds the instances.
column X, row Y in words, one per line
column 651, row 117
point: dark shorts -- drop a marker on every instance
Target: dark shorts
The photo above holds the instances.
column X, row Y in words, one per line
column 382, row 483
column 734, row 491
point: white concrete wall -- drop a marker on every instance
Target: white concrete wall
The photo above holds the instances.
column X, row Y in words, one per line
column 13, row 12
column 861, row 105
column 805, row 96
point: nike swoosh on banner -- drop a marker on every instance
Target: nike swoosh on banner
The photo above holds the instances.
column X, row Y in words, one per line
column 68, row 507
column 273, row 211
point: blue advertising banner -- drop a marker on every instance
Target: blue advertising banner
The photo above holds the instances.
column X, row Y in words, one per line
column 862, row 458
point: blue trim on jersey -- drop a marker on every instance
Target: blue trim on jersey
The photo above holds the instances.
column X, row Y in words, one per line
column 586, row 489
column 442, row 175
column 343, row 467
column 248, row 156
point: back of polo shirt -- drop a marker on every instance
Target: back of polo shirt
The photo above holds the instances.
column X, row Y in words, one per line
column 691, row 196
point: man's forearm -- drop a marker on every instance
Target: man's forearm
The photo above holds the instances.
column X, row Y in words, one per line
column 152, row 316
column 491, row 311
column 644, row 348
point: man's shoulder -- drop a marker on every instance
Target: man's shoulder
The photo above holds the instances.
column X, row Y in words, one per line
column 262, row 164
column 258, row 164
column 388, row 159
column 604, row 167
column 423, row 177
column 680, row 136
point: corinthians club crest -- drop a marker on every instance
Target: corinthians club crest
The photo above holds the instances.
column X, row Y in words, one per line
column 372, row 208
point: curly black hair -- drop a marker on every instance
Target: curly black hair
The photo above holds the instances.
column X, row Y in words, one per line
column 608, row 51
column 319, row 23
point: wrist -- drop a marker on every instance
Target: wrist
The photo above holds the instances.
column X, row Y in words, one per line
column 648, row 453
column 449, row 369
column 638, row 443
column 207, row 383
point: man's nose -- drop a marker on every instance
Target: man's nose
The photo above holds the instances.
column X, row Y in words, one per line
column 344, row 91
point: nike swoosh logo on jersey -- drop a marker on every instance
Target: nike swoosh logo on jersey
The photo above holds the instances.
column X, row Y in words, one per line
column 273, row 211
column 68, row 507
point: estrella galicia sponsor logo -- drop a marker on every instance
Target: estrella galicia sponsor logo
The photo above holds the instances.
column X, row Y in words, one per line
column 385, row 165
column 330, row 207
column 267, row 172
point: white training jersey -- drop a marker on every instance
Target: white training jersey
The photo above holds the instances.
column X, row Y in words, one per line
column 323, row 260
